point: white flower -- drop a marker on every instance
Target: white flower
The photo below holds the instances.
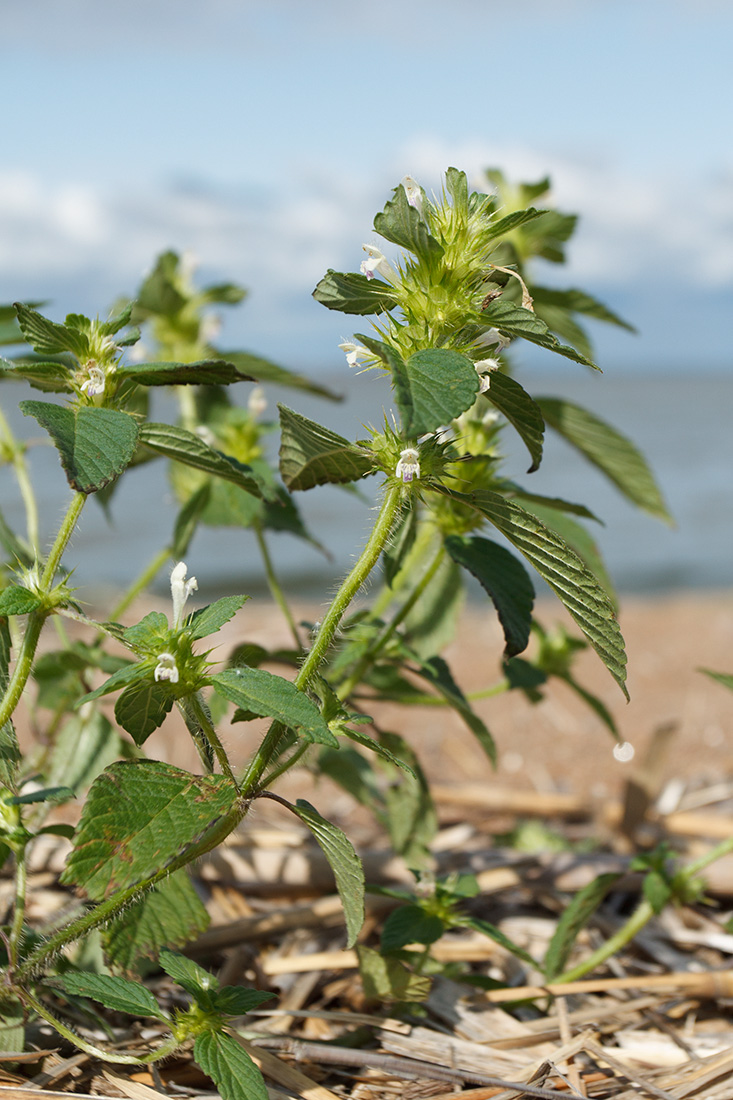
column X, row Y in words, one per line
column 484, row 369
column 414, row 193
column 354, row 353
column 493, row 336
column 257, row 402
column 408, row 465
column 181, row 589
column 96, row 379
column 166, row 668
column 377, row 262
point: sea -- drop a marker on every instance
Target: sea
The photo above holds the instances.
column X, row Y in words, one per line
column 681, row 422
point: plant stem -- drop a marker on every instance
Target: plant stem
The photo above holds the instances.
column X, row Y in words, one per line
column 24, row 483
column 107, row 910
column 345, row 689
column 36, row 619
column 200, row 715
column 643, row 914
column 274, row 585
column 60, row 542
column 286, row 765
column 163, row 1051
column 21, row 881
column 350, row 586
column 141, row 583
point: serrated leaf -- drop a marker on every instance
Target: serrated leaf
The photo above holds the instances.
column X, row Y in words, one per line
column 138, row 817
column 376, row 747
column 521, row 411
column 506, row 582
column 119, row 679
column 118, row 994
column 116, row 321
column 95, row 444
column 143, row 707
column 410, row 924
column 354, row 293
column 233, row 1000
column 401, row 223
column 52, row 377
column 183, row 446
column 169, row 915
column 203, row 372
column 270, row 696
column 573, row 920
column 207, row 620
column 609, row 450
column 577, row 301
column 344, row 862
column 515, row 321
column 438, row 675
column 313, row 455
column 432, row 388
column 151, row 631
column 48, row 338
column 229, row 1067
column 263, row 370
column 17, row 600
column 563, row 570
column 389, row 980
column 188, row 974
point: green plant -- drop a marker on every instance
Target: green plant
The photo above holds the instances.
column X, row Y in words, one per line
column 446, row 311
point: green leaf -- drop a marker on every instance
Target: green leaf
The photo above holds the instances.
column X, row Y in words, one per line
column 376, row 747
column 433, row 387
column 53, row 377
column 438, row 675
column 505, row 580
column 270, row 696
column 433, row 619
column 188, row 974
column 207, row 620
column 520, row 410
column 159, row 293
column 563, row 570
column 118, row 994
column 121, row 678
column 143, row 707
column 169, row 915
column 389, row 980
column 344, row 863
column 17, row 600
column 354, row 293
column 48, row 338
column 262, row 370
column 188, row 519
column 574, row 919
column 724, row 678
column 183, row 446
column 95, row 444
column 578, row 539
column 233, row 1000
column 138, row 818
column 54, row 795
column 410, row 924
column 116, row 321
column 313, row 455
column 609, row 450
column 657, row 890
column 204, row 372
column 12, row 1025
column 577, row 301
column 411, row 818
column 497, row 936
column 229, row 1067
column 401, row 223
column 515, row 321
column 511, row 221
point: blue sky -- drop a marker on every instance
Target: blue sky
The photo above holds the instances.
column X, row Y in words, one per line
column 263, row 136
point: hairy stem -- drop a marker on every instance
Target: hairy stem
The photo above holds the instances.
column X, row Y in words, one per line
column 21, row 882
column 163, row 1051
column 323, row 639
